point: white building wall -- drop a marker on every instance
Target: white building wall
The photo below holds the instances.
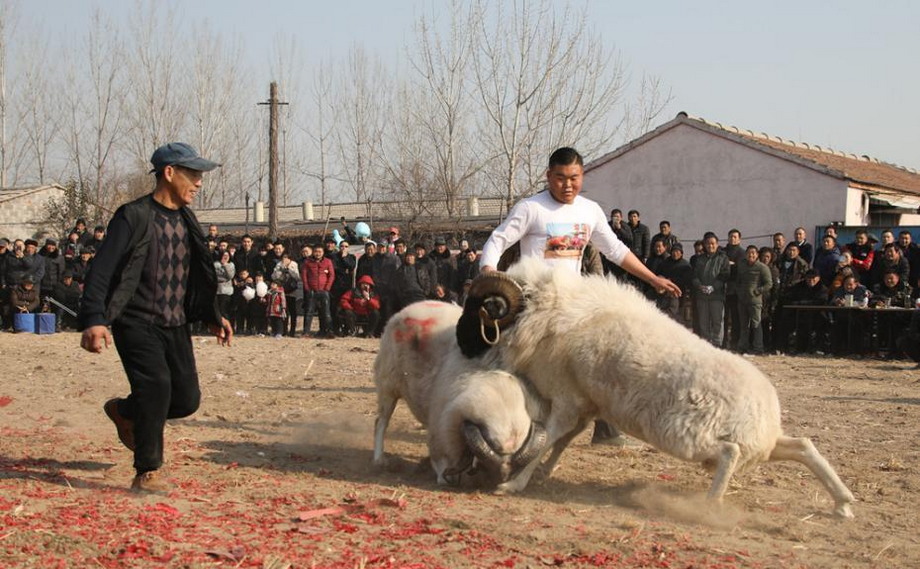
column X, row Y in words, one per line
column 701, row 182
column 857, row 212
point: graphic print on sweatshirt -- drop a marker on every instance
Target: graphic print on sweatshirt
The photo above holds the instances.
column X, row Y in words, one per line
column 565, row 243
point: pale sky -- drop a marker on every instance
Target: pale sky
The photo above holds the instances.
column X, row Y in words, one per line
column 842, row 73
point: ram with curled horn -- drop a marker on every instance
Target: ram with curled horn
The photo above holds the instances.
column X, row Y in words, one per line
column 595, row 348
column 473, row 414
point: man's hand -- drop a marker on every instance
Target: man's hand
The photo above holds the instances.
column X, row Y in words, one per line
column 665, row 286
column 223, row 332
column 94, row 338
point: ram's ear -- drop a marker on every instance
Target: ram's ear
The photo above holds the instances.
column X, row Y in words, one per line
column 469, row 329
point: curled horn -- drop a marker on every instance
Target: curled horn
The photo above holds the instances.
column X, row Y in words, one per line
column 502, row 299
column 532, row 447
column 478, row 445
column 492, row 304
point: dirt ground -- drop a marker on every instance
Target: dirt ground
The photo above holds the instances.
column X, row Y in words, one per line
column 274, row 471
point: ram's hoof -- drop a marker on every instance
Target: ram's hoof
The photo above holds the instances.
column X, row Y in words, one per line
column 843, row 511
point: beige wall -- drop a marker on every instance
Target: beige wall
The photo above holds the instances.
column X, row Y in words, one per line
column 701, row 182
column 19, row 217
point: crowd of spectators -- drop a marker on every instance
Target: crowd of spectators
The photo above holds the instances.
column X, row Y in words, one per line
column 770, row 299
column 746, row 299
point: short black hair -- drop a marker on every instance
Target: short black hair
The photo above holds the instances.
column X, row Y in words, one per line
column 565, row 156
column 709, row 234
column 664, row 222
column 730, row 231
column 634, row 211
column 616, row 210
column 754, row 247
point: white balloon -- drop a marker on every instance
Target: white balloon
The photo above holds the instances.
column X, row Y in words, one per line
column 261, row 289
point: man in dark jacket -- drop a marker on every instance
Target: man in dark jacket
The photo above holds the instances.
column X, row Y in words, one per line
column 444, row 263
column 641, row 237
column 710, row 274
column 247, row 257
column 66, row 292
column 54, row 265
column 678, row 271
column 24, row 261
column 150, row 279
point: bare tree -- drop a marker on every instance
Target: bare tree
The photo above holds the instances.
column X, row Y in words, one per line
column 362, row 98
column 219, row 100
column 38, row 116
column 407, row 156
column 95, row 105
column 442, row 68
column 544, row 80
column 645, row 109
column 7, row 18
column 320, row 129
column 155, row 79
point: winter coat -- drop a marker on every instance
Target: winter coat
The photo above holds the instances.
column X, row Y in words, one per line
column 275, row 304
column 317, row 274
column 19, row 297
column 446, row 268
column 711, row 270
column 225, row 274
column 354, row 301
column 752, row 281
column 344, row 273
column 289, row 278
column 641, row 240
column 863, row 255
column 791, row 273
column 113, row 277
column 826, row 264
column 54, row 268
column 27, row 265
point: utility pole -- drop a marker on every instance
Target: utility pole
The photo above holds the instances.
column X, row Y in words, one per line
column 273, row 178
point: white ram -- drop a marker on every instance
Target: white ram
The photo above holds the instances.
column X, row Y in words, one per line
column 468, row 410
column 595, row 348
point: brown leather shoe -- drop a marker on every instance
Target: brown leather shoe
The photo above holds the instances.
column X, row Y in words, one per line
column 124, row 426
column 152, row 482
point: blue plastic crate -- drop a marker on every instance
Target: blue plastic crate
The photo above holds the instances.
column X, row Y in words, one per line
column 45, row 323
column 23, row 322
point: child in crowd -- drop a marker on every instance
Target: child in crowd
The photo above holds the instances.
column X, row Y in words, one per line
column 258, row 305
column 242, row 324
column 276, row 309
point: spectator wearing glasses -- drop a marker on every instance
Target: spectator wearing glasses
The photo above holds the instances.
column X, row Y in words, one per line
column 345, row 265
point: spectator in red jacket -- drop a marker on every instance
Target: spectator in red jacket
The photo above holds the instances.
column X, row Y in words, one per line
column 318, row 275
column 360, row 303
column 863, row 251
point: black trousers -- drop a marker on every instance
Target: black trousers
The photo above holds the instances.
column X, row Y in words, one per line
column 160, row 366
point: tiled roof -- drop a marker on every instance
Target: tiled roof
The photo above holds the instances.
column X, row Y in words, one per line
column 862, row 170
column 8, row 194
column 292, row 214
